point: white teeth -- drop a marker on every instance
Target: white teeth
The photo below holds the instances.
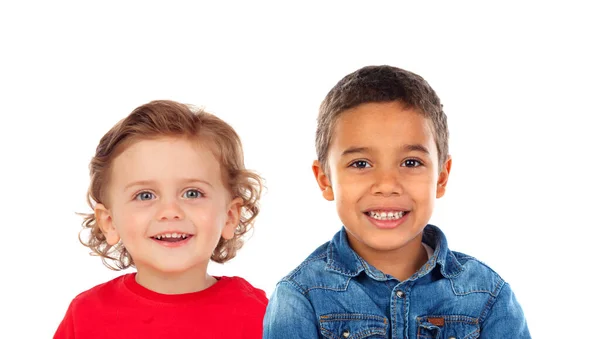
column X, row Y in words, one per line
column 171, row 235
column 382, row 215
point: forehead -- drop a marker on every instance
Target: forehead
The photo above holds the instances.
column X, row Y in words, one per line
column 165, row 158
column 389, row 124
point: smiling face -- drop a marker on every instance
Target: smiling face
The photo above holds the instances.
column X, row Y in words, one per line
column 167, row 204
column 383, row 173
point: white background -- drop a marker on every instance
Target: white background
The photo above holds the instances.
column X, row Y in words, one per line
column 519, row 83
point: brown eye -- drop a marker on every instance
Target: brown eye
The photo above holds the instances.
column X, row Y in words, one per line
column 412, row 163
column 360, row 164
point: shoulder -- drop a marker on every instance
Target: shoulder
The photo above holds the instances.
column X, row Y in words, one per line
column 240, row 290
column 466, row 273
column 97, row 294
column 476, row 276
column 312, row 271
column 316, row 260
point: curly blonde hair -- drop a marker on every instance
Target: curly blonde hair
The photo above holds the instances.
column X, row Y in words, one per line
column 168, row 118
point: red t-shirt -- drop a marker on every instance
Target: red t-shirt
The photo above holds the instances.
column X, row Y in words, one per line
column 121, row 308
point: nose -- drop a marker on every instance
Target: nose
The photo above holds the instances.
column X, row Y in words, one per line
column 170, row 210
column 387, row 183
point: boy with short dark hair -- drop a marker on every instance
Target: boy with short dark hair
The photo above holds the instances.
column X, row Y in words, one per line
column 382, row 146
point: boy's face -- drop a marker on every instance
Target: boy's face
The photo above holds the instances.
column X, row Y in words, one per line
column 167, row 203
column 384, row 175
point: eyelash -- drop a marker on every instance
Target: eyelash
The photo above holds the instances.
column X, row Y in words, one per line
column 200, row 193
column 420, row 163
column 355, row 163
column 138, row 195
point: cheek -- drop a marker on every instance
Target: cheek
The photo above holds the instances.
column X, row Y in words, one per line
column 132, row 221
column 350, row 187
column 208, row 217
column 423, row 191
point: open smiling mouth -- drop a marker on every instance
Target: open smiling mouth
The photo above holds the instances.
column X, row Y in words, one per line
column 172, row 237
column 383, row 215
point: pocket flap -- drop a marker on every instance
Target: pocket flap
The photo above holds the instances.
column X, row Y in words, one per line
column 353, row 326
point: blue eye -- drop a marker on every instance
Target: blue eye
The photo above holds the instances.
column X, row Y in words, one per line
column 193, row 194
column 360, row 164
column 412, row 163
column 145, row 196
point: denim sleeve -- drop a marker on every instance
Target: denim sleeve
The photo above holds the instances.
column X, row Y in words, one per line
column 506, row 318
column 290, row 314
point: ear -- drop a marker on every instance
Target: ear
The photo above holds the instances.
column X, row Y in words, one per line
column 322, row 180
column 105, row 222
column 443, row 178
column 234, row 212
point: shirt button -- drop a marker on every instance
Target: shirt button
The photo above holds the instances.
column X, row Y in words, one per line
column 399, row 294
column 346, row 334
column 451, row 337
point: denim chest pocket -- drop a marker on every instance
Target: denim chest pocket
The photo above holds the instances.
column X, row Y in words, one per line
column 447, row 327
column 353, row 326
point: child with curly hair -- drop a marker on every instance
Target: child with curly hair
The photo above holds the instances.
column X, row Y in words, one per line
column 169, row 192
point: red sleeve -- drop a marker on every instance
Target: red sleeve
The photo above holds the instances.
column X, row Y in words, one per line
column 66, row 329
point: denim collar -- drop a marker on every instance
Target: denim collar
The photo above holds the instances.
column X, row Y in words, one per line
column 343, row 260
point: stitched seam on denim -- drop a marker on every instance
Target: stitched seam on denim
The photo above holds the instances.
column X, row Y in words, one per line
column 493, row 293
column 393, row 315
column 452, row 318
column 499, row 286
column 425, row 269
column 332, row 265
column 406, row 302
column 296, row 285
column 420, row 325
column 357, row 335
column 328, row 288
column 370, row 273
column 352, row 316
column 305, row 263
column 459, row 267
column 463, row 319
column 474, row 334
column 374, row 329
column 470, row 292
column 328, row 333
column 490, row 303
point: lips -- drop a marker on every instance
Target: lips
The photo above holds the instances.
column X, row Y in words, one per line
column 386, row 217
column 171, row 236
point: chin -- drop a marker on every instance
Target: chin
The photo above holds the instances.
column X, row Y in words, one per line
column 386, row 243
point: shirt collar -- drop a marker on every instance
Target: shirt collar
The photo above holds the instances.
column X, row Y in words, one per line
column 343, row 260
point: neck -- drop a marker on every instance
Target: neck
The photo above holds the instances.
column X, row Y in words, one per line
column 400, row 263
column 192, row 280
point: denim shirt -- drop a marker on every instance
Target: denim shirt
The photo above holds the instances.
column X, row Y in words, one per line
column 335, row 293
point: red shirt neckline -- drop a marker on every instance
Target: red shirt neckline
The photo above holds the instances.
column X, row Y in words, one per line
column 133, row 286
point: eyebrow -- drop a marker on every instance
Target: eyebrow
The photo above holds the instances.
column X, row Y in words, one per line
column 353, row 150
column 150, row 182
column 405, row 148
column 416, row 147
